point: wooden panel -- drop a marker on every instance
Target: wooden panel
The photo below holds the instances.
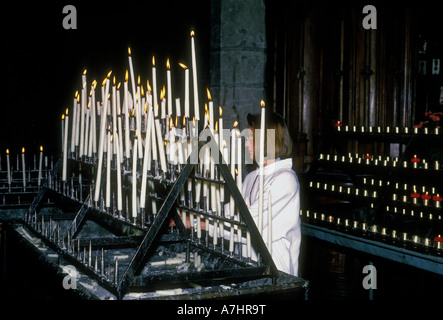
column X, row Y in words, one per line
column 360, row 77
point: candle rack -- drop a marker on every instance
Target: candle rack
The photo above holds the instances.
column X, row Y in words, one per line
column 388, row 199
column 155, row 249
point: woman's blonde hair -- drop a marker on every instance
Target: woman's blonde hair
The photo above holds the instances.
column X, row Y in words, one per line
column 283, row 141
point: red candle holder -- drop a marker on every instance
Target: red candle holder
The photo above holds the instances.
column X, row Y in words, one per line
column 438, row 238
column 437, row 198
column 367, row 156
column 426, row 196
column 338, row 124
column 415, row 195
column 415, row 159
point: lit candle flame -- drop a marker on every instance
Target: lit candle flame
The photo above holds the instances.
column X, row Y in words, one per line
column 171, row 123
column 109, row 74
column 182, row 65
column 162, row 93
column 148, row 86
column 235, row 123
column 192, row 33
column 113, row 80
column 216, row 126
column 63, row 116
column 23, row 150
column 67, row 110
column 129, row 50
column 167, row 64
column 209, row 94
column 41, row 148
column 262, row 103
column 126, row 76
column 118, row 86
column 84, row 72
column 7, row 151
column 220, row 110
column 153, row 61
column 94, row 83
column 138, row 80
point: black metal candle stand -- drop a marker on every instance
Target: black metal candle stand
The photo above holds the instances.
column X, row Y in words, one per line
column 155, row 250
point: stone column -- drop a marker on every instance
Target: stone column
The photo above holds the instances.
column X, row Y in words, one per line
column 238, row 58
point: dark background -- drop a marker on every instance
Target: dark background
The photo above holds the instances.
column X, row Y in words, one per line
column 44, row 62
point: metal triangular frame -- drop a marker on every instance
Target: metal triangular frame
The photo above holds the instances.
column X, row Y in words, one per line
column 138, row 259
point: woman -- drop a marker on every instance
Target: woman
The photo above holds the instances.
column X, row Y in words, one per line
column 281, row 183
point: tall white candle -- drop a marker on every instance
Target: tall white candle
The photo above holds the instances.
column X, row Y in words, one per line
column 163, row 103
column 168, row 80
column 119, row 175
column 74, row 117
column 93, row 119
column 134, row 178
column 239, row 163
column 261, row 167
column 154, row 88
column 77, row 122
column 65, row 147
column 114, row 107
column 146, row 163
column 220, row 126
column 131, row 69
column 120, row 126
column 9, row 167
column 24, row 168
column 126, row 111
column 108, row 171
column 160, row 145
column 101, row 141
column 194, row 78
column 82, row 114
column 186, row 89
column 233, row 140
column 211, row 111
column 40, row 164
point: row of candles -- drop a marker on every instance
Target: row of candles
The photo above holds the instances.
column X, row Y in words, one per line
column 369, row 159
column 412, row 197
column 24, row 170
column 133, row 130
column 395, row 235
column 396, row 130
